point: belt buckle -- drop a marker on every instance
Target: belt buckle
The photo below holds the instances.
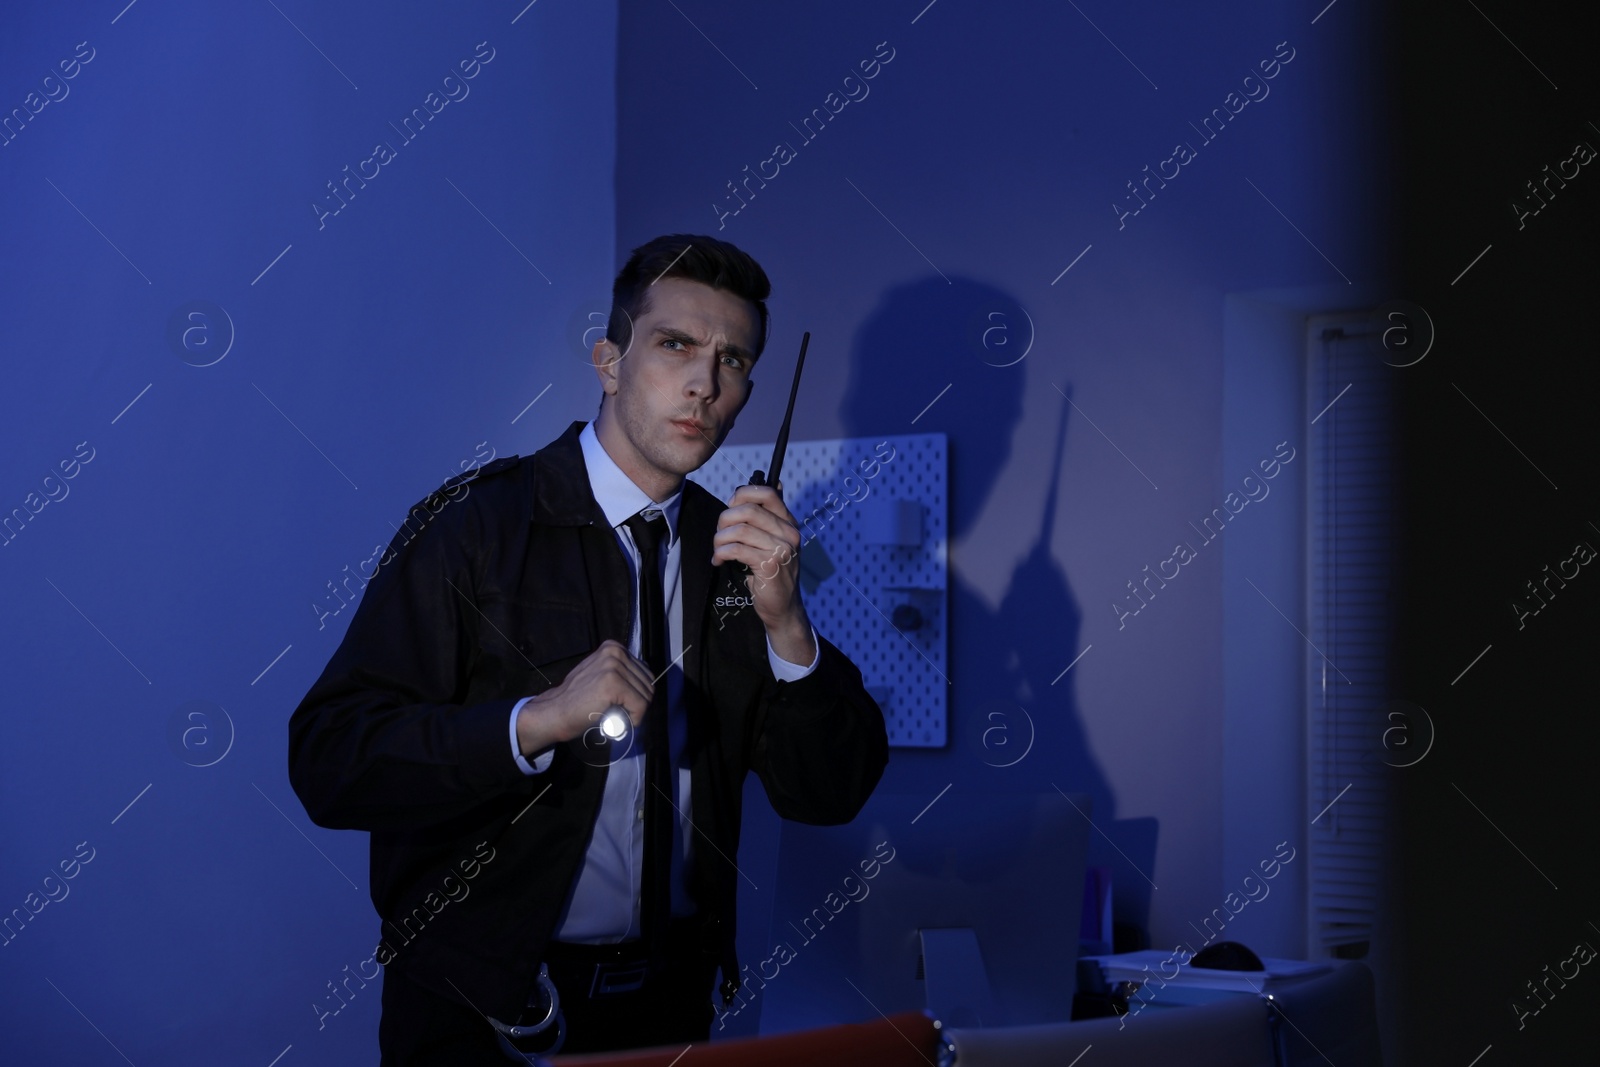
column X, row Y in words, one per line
column 614, row 979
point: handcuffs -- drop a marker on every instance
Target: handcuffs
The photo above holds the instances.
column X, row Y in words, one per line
column 544, row 998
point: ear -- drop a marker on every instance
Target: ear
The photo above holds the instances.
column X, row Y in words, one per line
column 605, row 357
column 749, row 385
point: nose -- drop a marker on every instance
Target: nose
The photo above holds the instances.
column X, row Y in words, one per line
column 701, row 383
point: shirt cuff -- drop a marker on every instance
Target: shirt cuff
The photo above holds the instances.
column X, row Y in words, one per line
column 784, row 671
column 544, row 759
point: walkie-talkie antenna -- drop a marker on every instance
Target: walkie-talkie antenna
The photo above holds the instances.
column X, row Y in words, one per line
column 783, row 433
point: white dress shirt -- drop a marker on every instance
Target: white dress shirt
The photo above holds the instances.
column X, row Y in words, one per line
column 603, row 904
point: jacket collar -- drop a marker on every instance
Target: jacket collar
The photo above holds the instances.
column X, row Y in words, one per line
column 561, row 493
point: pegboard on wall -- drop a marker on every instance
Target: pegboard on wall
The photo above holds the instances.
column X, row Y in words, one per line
column 874, row 561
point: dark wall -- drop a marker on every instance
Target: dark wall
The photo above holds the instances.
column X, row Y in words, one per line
column 1498, row 863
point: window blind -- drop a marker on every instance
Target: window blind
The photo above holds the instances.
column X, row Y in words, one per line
column 1350, row 590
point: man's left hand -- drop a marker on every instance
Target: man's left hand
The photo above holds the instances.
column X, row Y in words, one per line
column 757, row 530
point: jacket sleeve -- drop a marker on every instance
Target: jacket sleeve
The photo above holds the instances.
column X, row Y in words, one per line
column 820, row 745
column 383, row 740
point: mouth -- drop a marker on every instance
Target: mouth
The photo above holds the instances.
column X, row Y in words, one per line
column 691, row 427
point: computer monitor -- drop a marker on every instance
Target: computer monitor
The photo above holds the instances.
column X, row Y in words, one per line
column 845, row 942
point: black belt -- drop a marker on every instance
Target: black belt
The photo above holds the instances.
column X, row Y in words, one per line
column 583, row 972
column 598, row 971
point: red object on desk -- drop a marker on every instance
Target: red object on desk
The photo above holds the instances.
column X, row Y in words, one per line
column 908, row 1039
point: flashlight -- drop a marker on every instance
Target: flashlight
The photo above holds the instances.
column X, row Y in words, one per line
column 615, row 724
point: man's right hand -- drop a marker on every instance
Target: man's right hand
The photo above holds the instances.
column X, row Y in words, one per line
column 607, row 676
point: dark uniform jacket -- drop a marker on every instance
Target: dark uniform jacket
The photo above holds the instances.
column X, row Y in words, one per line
column 498, row 585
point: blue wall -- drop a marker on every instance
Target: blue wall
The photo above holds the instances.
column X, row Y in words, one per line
column 373, row 351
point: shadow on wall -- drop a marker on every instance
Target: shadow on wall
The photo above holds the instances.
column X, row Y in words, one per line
column 1013, row 715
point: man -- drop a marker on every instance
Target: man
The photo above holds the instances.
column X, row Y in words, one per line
column 457, row 721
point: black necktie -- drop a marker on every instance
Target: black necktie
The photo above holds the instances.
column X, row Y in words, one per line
column 655, row 888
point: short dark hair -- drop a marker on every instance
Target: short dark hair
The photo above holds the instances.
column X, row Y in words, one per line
column 685, row 255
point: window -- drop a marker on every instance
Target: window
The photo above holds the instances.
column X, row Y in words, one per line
column 1350, row 497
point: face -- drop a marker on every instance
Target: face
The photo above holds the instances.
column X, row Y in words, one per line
column 674, row 395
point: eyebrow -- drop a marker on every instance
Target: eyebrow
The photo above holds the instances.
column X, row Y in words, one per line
column 668, row 333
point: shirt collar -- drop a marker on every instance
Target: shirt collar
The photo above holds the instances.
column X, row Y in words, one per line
column 615, row 492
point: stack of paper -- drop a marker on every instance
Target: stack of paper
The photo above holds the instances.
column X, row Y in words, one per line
column 1162, row 978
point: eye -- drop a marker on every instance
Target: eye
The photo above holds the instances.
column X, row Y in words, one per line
column 733, row 361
